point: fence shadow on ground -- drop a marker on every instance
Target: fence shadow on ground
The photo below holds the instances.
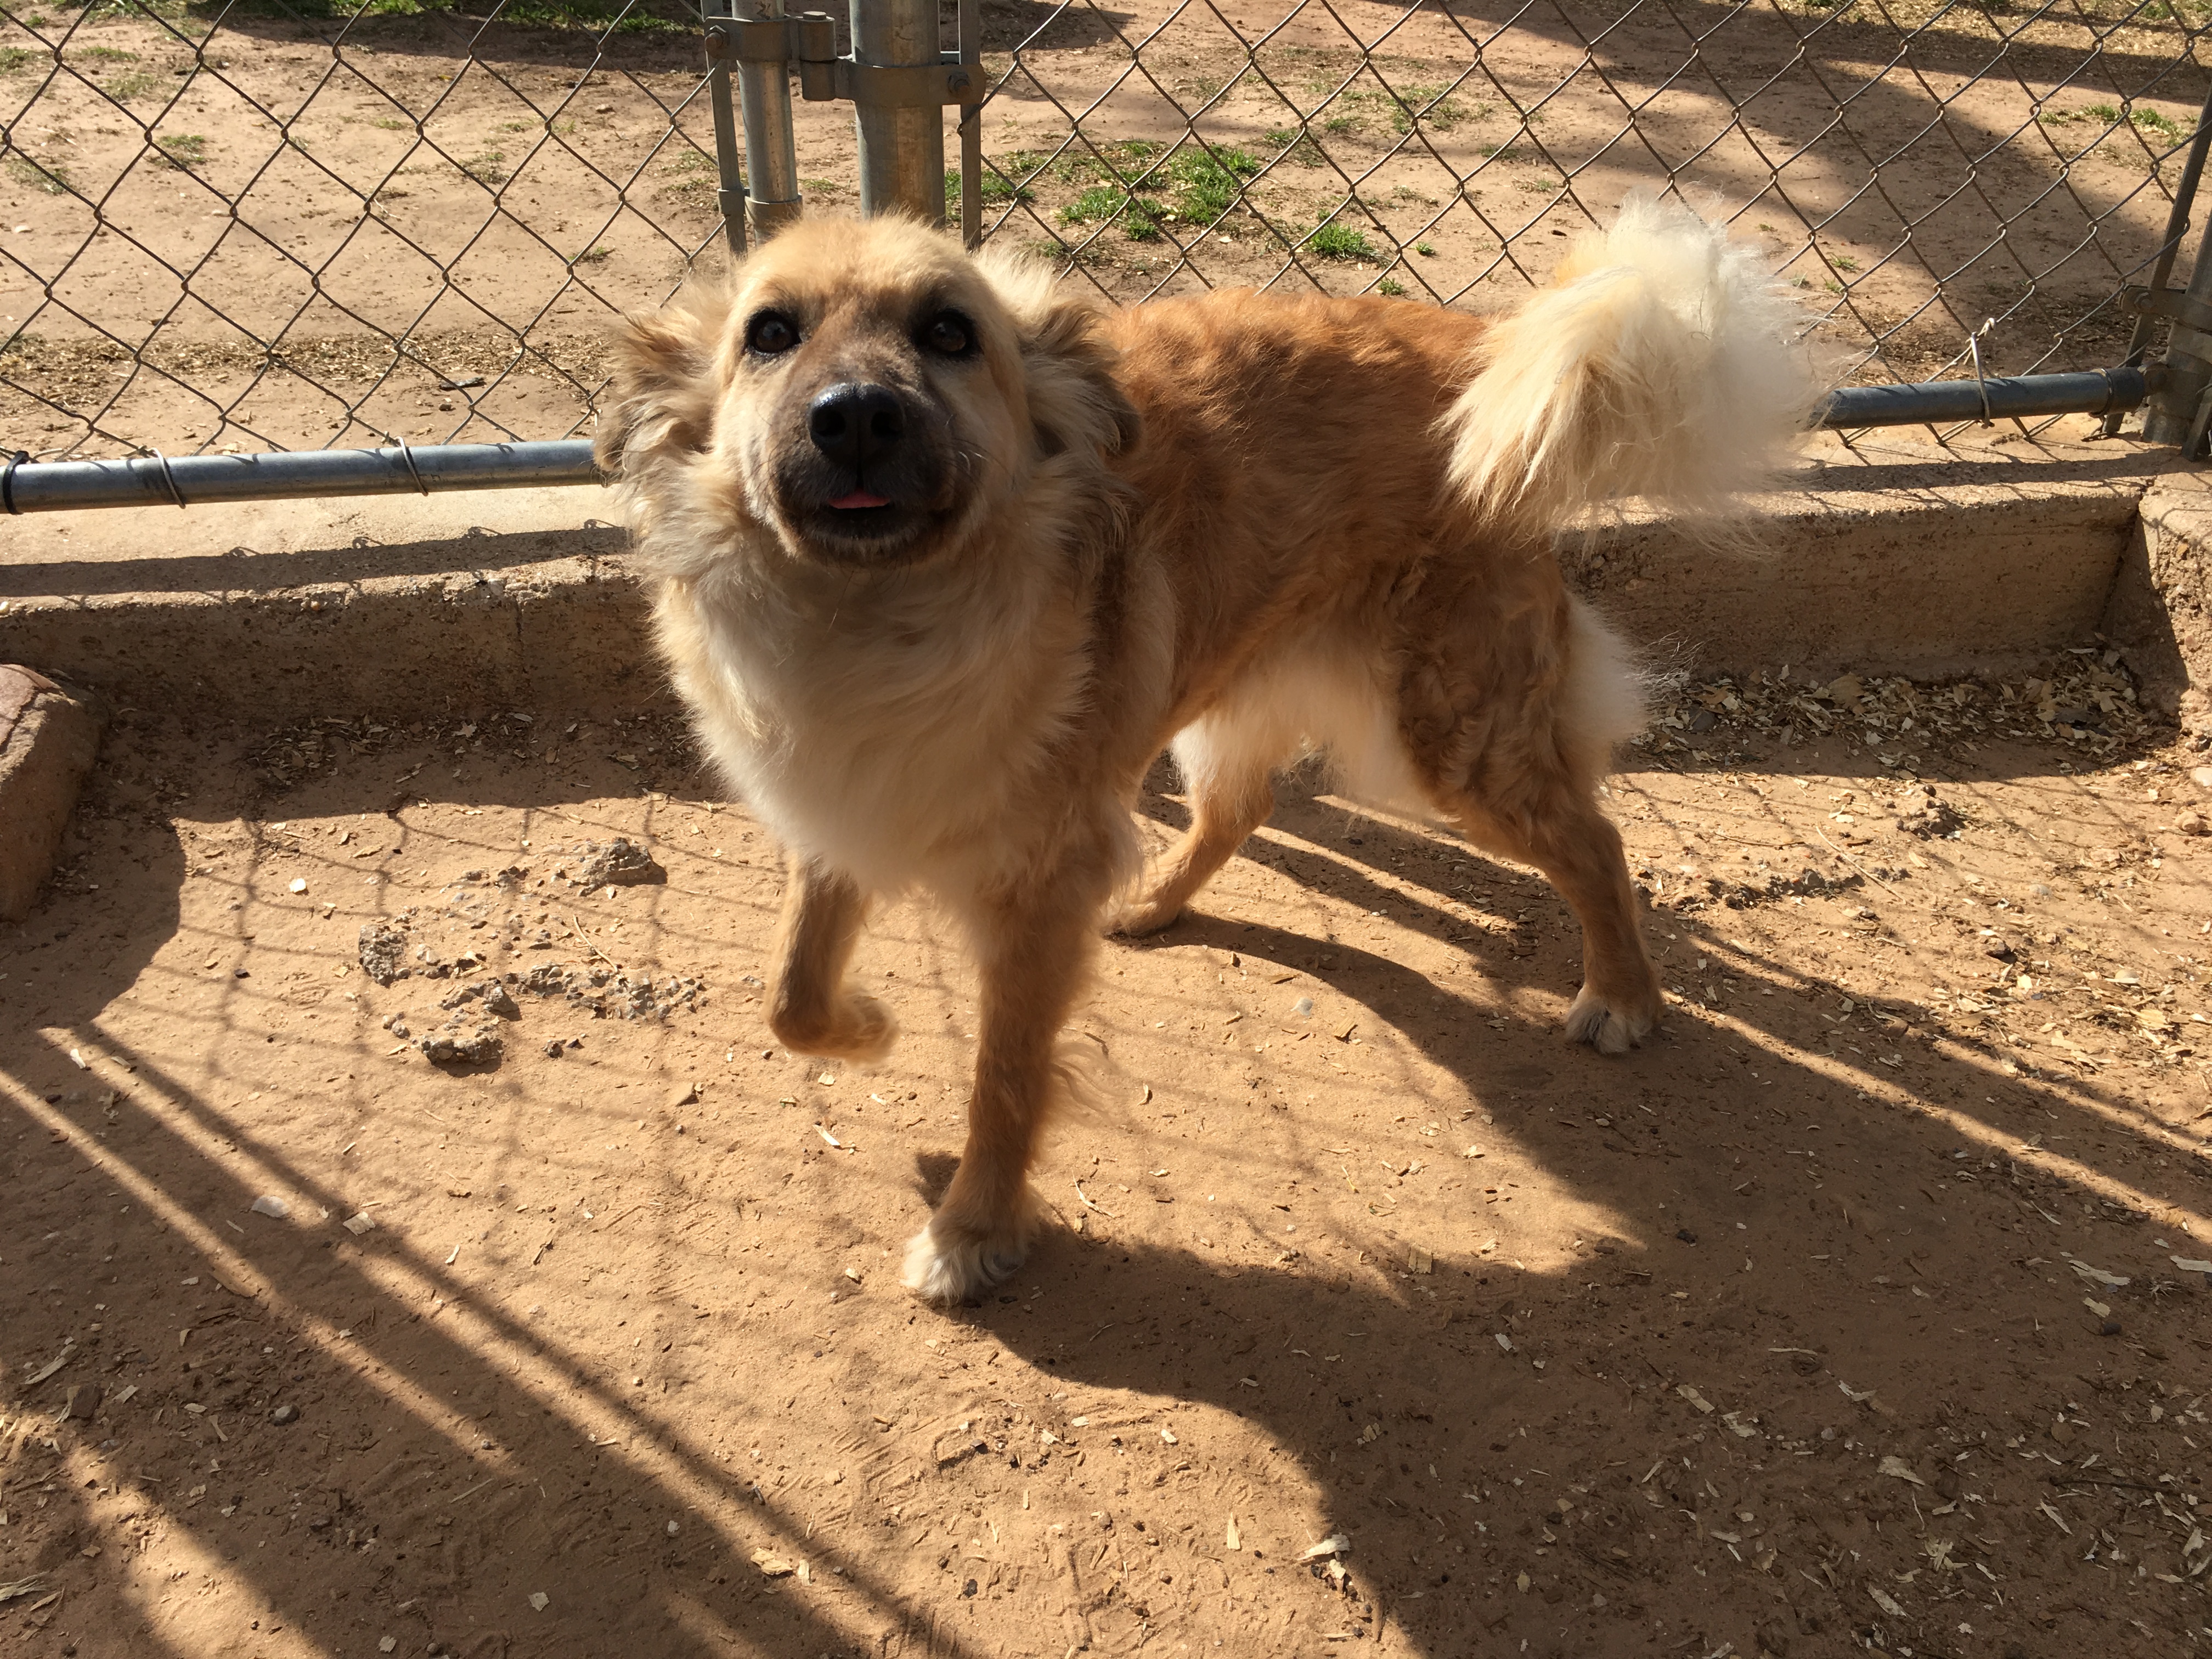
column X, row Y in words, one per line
column 1414, row 1355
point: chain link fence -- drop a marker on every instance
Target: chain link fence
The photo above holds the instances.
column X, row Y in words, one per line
column 262, row 226
column 268, row 225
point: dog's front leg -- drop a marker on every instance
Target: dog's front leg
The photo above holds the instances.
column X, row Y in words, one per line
column 811, row 1009
column 1034, row 949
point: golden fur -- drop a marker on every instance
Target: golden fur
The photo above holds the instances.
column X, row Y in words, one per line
column 1251, row 526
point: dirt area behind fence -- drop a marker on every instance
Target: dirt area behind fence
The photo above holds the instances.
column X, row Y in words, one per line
column 257, row 229
column 1864, row 1308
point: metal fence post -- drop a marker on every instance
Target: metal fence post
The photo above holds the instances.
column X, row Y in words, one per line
column 2172, row 417
column 730, row 193
column 971, row 130
column 901, row 145
column 771, row 159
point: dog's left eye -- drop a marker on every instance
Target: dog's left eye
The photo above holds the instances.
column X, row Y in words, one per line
column 949, row 334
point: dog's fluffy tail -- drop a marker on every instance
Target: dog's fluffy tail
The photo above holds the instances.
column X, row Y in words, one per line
column 1661, row 362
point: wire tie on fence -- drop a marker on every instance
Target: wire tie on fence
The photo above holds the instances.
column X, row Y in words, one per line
column 408, row 456
column 1981, row 379
column 8, row 482
column 169, row 477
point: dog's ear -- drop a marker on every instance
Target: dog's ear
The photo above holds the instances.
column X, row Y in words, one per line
column 661, row 401
column 1075, row 401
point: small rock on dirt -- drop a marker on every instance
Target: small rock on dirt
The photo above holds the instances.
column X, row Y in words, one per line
column 83, row 1401
column 2193, row 824
column 462, row 1042
column 494, row 996
column 284, row 1415
column 382, row 950
column 618, row 863
column 1920, row 813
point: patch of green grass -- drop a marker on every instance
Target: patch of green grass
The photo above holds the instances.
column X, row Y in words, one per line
column 13, row 58
column 392, row 124
column 1295, row 146
column 1139, row 216
column 107, row 54
column 1357, row 108
column 136, row 83
column 1099, row 203
column 592, row 256
column 182, row 149
column 486, row 168
column 1079, row 167
column 1843, row 262
column 1341, row 242
column 1391, row 286
column 996, row 190
column 1430, row 107
column 1142, row 221
column 2110, row 115
column 53, row 179
column 1426, row 250
column 688, row 161
column 1208, row 185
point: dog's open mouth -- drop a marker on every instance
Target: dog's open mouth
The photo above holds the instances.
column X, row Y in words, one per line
column 861, row 523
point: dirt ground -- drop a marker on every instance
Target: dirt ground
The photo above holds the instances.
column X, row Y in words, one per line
column 1866, row 1308
column 273, row 211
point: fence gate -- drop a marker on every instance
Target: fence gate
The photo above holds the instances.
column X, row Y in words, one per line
column 329, row 246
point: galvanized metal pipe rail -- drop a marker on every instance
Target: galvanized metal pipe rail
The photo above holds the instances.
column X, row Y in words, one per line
column 27, row 486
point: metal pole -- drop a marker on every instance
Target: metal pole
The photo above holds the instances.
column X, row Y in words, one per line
column 730, row 192
column 971, row 130
column 290, row 474
column 902, row 146
column 2177, row 227
column 772, row 194
column 2023, row 396
column 29, row 486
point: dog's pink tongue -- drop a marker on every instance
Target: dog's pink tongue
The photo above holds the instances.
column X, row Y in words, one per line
column 860, row 498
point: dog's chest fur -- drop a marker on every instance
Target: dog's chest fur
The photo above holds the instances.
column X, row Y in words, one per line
column 892, row 728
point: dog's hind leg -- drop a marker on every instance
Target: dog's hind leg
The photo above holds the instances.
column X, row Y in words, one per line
column 1546, row 727
column 1579, row 852
column 1033, row 948
column 1230, row 796
column 810, row 1008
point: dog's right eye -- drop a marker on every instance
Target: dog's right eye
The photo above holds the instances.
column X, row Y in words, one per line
column 770, row 335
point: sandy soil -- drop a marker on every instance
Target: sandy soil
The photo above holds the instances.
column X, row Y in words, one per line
column 273, row 212
column 1853, row 1312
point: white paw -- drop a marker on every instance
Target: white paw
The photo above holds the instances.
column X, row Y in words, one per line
column 1138, row 918
column 951, row 1270
column 1607, row 1027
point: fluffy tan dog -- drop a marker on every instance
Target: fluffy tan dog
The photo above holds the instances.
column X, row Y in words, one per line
column 946, row 556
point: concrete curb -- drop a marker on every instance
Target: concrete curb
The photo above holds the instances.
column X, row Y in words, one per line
column 1895, row 558
column 48, row 741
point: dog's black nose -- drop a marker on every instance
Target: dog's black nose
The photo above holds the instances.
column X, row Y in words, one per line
column 854, row 423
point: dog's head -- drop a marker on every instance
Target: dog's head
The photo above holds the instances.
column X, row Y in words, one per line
column 865, row 390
